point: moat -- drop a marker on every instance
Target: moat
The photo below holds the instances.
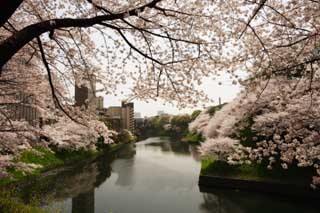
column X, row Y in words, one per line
column 154, row 175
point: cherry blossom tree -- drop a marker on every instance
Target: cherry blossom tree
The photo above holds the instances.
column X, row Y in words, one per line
column 167, row 46
column 137, row 35
column 280, row 125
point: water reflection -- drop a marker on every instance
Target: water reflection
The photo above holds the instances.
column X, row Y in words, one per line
column 84, row 202
column 155, row 175
column 227, row 201
column 74, row 182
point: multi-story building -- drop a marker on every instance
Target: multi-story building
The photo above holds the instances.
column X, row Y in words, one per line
column 127, row 116
column 120, row 117
column 114, row 112
column 85, row 94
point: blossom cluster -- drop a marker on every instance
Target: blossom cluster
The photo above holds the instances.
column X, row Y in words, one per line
column 74, row 136
column 282, row 115
column 25, row 87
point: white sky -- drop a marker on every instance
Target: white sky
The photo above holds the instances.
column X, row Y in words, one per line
column 211, row 87
column 226, row 91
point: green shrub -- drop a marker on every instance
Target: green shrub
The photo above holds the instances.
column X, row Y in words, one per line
column 193, row 138
column 125, row 136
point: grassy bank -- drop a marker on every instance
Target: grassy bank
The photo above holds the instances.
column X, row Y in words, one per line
column 48, row 160
column 257, row 172
column 44, row 160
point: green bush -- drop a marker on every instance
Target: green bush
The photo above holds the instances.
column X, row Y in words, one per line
column 125, row 136
column 47, row 159
column 193, row 138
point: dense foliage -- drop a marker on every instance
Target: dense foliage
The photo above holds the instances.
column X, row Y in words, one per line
column 165, row 48
column 280, row 126
column 175, row 126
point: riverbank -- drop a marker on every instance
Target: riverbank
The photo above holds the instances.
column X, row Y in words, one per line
column 112, row 180
column 294, row 182
column 51, row 163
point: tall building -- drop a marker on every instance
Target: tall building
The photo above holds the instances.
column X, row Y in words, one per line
column 85, row 94
column 127, row 116
column 121, row 117
column 114, row 112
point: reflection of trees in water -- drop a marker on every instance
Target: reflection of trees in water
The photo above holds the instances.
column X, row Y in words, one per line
column 77, row 182
column 125, row 176
column 62, row 185
column 125, row 160
column 83, row 203
column 179, row 148
column 218, row 204
column 127, row 152
column 195, row 152
column 164, row 146
column 231, row 201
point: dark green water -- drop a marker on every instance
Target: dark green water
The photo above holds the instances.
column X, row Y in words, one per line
column 155, row 175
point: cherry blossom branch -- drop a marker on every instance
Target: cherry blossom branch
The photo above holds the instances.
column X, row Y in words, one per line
column 15, row 42
column 54, row 96
column 255, row 12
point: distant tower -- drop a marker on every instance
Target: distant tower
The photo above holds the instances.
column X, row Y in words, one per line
column 85, row 93
column 127, row 116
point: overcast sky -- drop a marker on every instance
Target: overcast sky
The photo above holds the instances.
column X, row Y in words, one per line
column 226, row 91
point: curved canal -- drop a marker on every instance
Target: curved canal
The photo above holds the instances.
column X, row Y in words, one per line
column 151, row 176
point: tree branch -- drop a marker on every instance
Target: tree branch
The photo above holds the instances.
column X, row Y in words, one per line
column 54, row 96
column 255, row 12
column 15, row 42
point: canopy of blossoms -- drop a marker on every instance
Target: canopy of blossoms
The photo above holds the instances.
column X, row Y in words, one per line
column 281, row 113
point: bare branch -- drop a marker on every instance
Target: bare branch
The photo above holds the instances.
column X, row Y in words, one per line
column 54, row 96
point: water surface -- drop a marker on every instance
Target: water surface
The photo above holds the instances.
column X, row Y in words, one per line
column 155, row 175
